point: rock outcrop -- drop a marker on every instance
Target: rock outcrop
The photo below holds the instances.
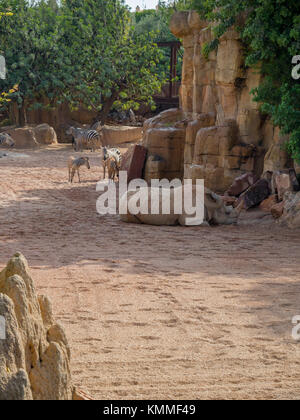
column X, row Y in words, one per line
column 45, row 134
column 34, row 356
column 218, row 133
column 114, row 135
column 291, row 210
column 31, row 136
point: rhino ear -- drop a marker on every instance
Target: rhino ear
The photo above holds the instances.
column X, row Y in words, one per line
column 214, row 197
column 212, row 200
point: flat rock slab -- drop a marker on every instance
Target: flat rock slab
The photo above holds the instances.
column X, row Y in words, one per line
column 113, row 135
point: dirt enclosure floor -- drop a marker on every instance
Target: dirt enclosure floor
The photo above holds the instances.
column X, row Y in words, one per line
column 150, row 312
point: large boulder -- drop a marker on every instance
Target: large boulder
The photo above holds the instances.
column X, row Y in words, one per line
column 155, row 167
column 14, row 381
column 284, row 181
column 34, row 357
column 167, row 142
column 277, row 210
column 31, row 136
column 45, row 134
column 291, row 210
column 114, row 135
column 277, row 157
column 215, row 211
column 24, row 137
column 268, row 203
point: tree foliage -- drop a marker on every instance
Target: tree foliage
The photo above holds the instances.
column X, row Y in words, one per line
column 82, row 52
column 157, row 22
column 270, row 31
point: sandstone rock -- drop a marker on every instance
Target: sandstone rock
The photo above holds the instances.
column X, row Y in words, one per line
column 167, row 142
column 46, row 311
column 114, row 135
column 291, row 210
column 34, row 359
column 155, row 167
column 229, row 61
column 277, row 158
column 241, row 184
column 277, row 210
column 179, row 24
column 15, row 387
column 24, row 137
column 268, row 204
column 14, row 383
column 164, row 119
column 45, row 134
column 284, row 181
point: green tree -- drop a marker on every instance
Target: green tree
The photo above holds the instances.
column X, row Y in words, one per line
column 110, row 62
column 157, row 22
column 84, row 53
column 270, row 31
column 29, row 41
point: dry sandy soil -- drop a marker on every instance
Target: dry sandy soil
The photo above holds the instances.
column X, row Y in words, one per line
column 155, row 312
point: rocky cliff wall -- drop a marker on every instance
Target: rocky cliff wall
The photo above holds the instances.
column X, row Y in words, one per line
column 218, row 133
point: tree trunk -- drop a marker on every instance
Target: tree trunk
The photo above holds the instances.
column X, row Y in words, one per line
column 108, row 103
column 22, row 115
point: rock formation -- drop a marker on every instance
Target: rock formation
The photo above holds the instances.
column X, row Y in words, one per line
column 34, row 356
column 291, row 210
column 218, row 133
column 31, row 136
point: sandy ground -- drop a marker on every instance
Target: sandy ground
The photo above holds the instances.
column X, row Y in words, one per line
column 155, row 312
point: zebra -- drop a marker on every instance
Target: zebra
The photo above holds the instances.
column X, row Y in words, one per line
column 113, row 168
column 74, row 166
column 83, row 137
column 107, row 155
column 6, row 139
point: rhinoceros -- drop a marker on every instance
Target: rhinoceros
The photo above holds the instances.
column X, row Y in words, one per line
column 215, row 211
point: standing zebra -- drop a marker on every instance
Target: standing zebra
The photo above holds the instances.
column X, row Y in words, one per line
column 75, row 164
column 107, row 155
column 81, row 137
column 6, row 139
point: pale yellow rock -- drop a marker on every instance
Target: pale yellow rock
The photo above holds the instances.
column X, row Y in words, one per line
column 45, row 134
column 238, row 139
column 35, row 357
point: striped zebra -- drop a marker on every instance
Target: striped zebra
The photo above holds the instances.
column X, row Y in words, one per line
column 109, row 154
column 90, row 139
column 5, row 139
column 75, row 164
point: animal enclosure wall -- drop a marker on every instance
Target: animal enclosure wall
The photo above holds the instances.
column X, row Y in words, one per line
column 218, row 132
